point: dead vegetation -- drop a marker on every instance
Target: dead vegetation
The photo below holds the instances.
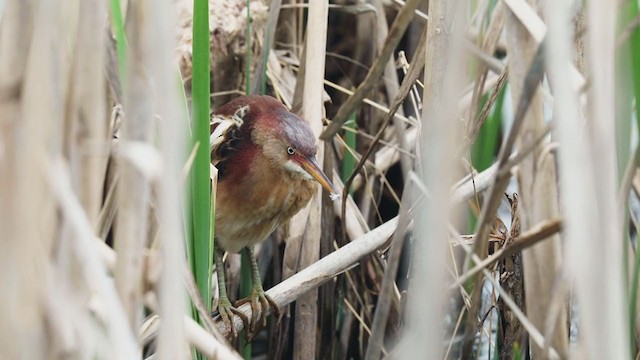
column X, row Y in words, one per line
column 487, row 155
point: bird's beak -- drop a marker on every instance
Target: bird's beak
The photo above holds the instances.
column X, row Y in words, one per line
column 310, row 165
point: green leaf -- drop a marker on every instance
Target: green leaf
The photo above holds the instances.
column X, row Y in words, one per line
column 121, row 39
column 201, row 244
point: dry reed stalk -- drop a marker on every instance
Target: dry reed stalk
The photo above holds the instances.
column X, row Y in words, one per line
column 370, row 102
column 471, row 185
column 134, row 188
column 288, row 30
column 86, row 131
column 282, row 76
column 537, row 182
column 24, row 257
column 85, row 147
column 206, row 344
column 35, row 137
column 305, row 327
column 298, row 223
column 443, row 82
column 589, row 190
column 172, row 343
column 411, row 77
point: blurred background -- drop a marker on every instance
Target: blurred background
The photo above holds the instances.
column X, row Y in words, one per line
column 487, row 151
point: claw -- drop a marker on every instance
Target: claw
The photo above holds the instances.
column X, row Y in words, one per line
column 226, row 312
column 260, row 305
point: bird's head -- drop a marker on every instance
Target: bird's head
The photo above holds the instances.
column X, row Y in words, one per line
column 282, row 137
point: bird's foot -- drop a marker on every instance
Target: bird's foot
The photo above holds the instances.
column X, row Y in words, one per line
column 261, row 303
column 226, row 312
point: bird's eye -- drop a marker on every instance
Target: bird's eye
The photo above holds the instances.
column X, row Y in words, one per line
column 290, row 150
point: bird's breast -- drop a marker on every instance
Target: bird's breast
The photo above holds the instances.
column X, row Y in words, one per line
column 249, row 210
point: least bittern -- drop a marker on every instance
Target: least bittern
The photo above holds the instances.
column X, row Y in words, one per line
column 267, row 168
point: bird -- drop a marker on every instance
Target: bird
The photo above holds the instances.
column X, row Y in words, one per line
column 267, row 172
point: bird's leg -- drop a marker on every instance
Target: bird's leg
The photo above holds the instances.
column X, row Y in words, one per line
column 260, row 301
column 225, row 309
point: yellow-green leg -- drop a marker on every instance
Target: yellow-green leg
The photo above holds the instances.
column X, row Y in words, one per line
column 225, row 309
column 260, row 301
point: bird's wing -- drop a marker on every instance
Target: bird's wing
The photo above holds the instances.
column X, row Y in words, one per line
column 225, row 135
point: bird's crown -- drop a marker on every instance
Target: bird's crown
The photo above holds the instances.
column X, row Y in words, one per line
column 257, row 122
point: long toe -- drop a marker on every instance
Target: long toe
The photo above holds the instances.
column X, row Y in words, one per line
column 226, row 312
column 275, row 309
column 256, row 312
column 261, row 305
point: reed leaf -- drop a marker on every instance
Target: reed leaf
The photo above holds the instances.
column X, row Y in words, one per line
column 201, row 246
